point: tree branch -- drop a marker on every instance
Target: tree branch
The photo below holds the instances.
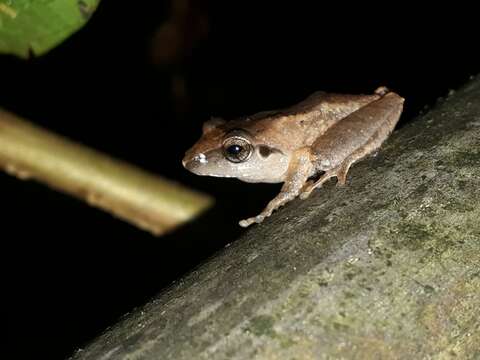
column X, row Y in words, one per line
column 141, row 198
column 387, row 267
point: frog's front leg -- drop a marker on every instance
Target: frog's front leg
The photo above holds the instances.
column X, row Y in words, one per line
column 299, row 170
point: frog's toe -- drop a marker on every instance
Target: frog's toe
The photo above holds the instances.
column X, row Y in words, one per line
column 246, row 223
column 341, row 179
column 310, row 186
column 256, row 219
column 382, row 91
column 260, row 218
column 342, row 172
column 306, row 193
column 306, row 190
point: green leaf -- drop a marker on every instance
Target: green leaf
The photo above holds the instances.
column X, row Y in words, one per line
column 36, row 26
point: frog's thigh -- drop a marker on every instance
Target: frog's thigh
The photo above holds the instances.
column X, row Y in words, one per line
column 373, row 144
column 341, row 171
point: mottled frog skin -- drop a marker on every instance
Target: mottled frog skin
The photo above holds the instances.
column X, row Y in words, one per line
column 322, row 135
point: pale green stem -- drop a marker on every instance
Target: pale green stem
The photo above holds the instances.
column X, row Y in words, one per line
column 132, row 194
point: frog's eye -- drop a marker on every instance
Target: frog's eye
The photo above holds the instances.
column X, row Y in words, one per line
column 237, row 149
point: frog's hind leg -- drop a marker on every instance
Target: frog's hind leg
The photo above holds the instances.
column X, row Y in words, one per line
column 378, row 119
column 341, row 171
column 312, row 185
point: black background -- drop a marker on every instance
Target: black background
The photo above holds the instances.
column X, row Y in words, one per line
column 69, row 271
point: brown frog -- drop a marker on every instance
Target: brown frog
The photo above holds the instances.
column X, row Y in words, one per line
column 324, row 134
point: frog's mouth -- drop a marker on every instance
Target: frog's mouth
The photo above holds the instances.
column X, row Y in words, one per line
column 198, row 168
column 206, row 164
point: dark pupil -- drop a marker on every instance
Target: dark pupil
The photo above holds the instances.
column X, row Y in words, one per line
column 234, row 149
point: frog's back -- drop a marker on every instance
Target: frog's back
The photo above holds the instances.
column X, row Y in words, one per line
column 301, row 124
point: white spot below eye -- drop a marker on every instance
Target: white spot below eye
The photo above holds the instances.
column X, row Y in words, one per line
column 325, row 163
column 201, row 158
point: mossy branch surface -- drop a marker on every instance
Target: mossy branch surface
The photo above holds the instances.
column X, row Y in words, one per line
column 141, row 198
column 387, row 267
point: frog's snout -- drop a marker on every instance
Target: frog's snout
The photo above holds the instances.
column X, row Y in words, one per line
column 187, row 163
column 193, row 163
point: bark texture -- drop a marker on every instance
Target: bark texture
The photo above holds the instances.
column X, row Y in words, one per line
column 387, row 267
